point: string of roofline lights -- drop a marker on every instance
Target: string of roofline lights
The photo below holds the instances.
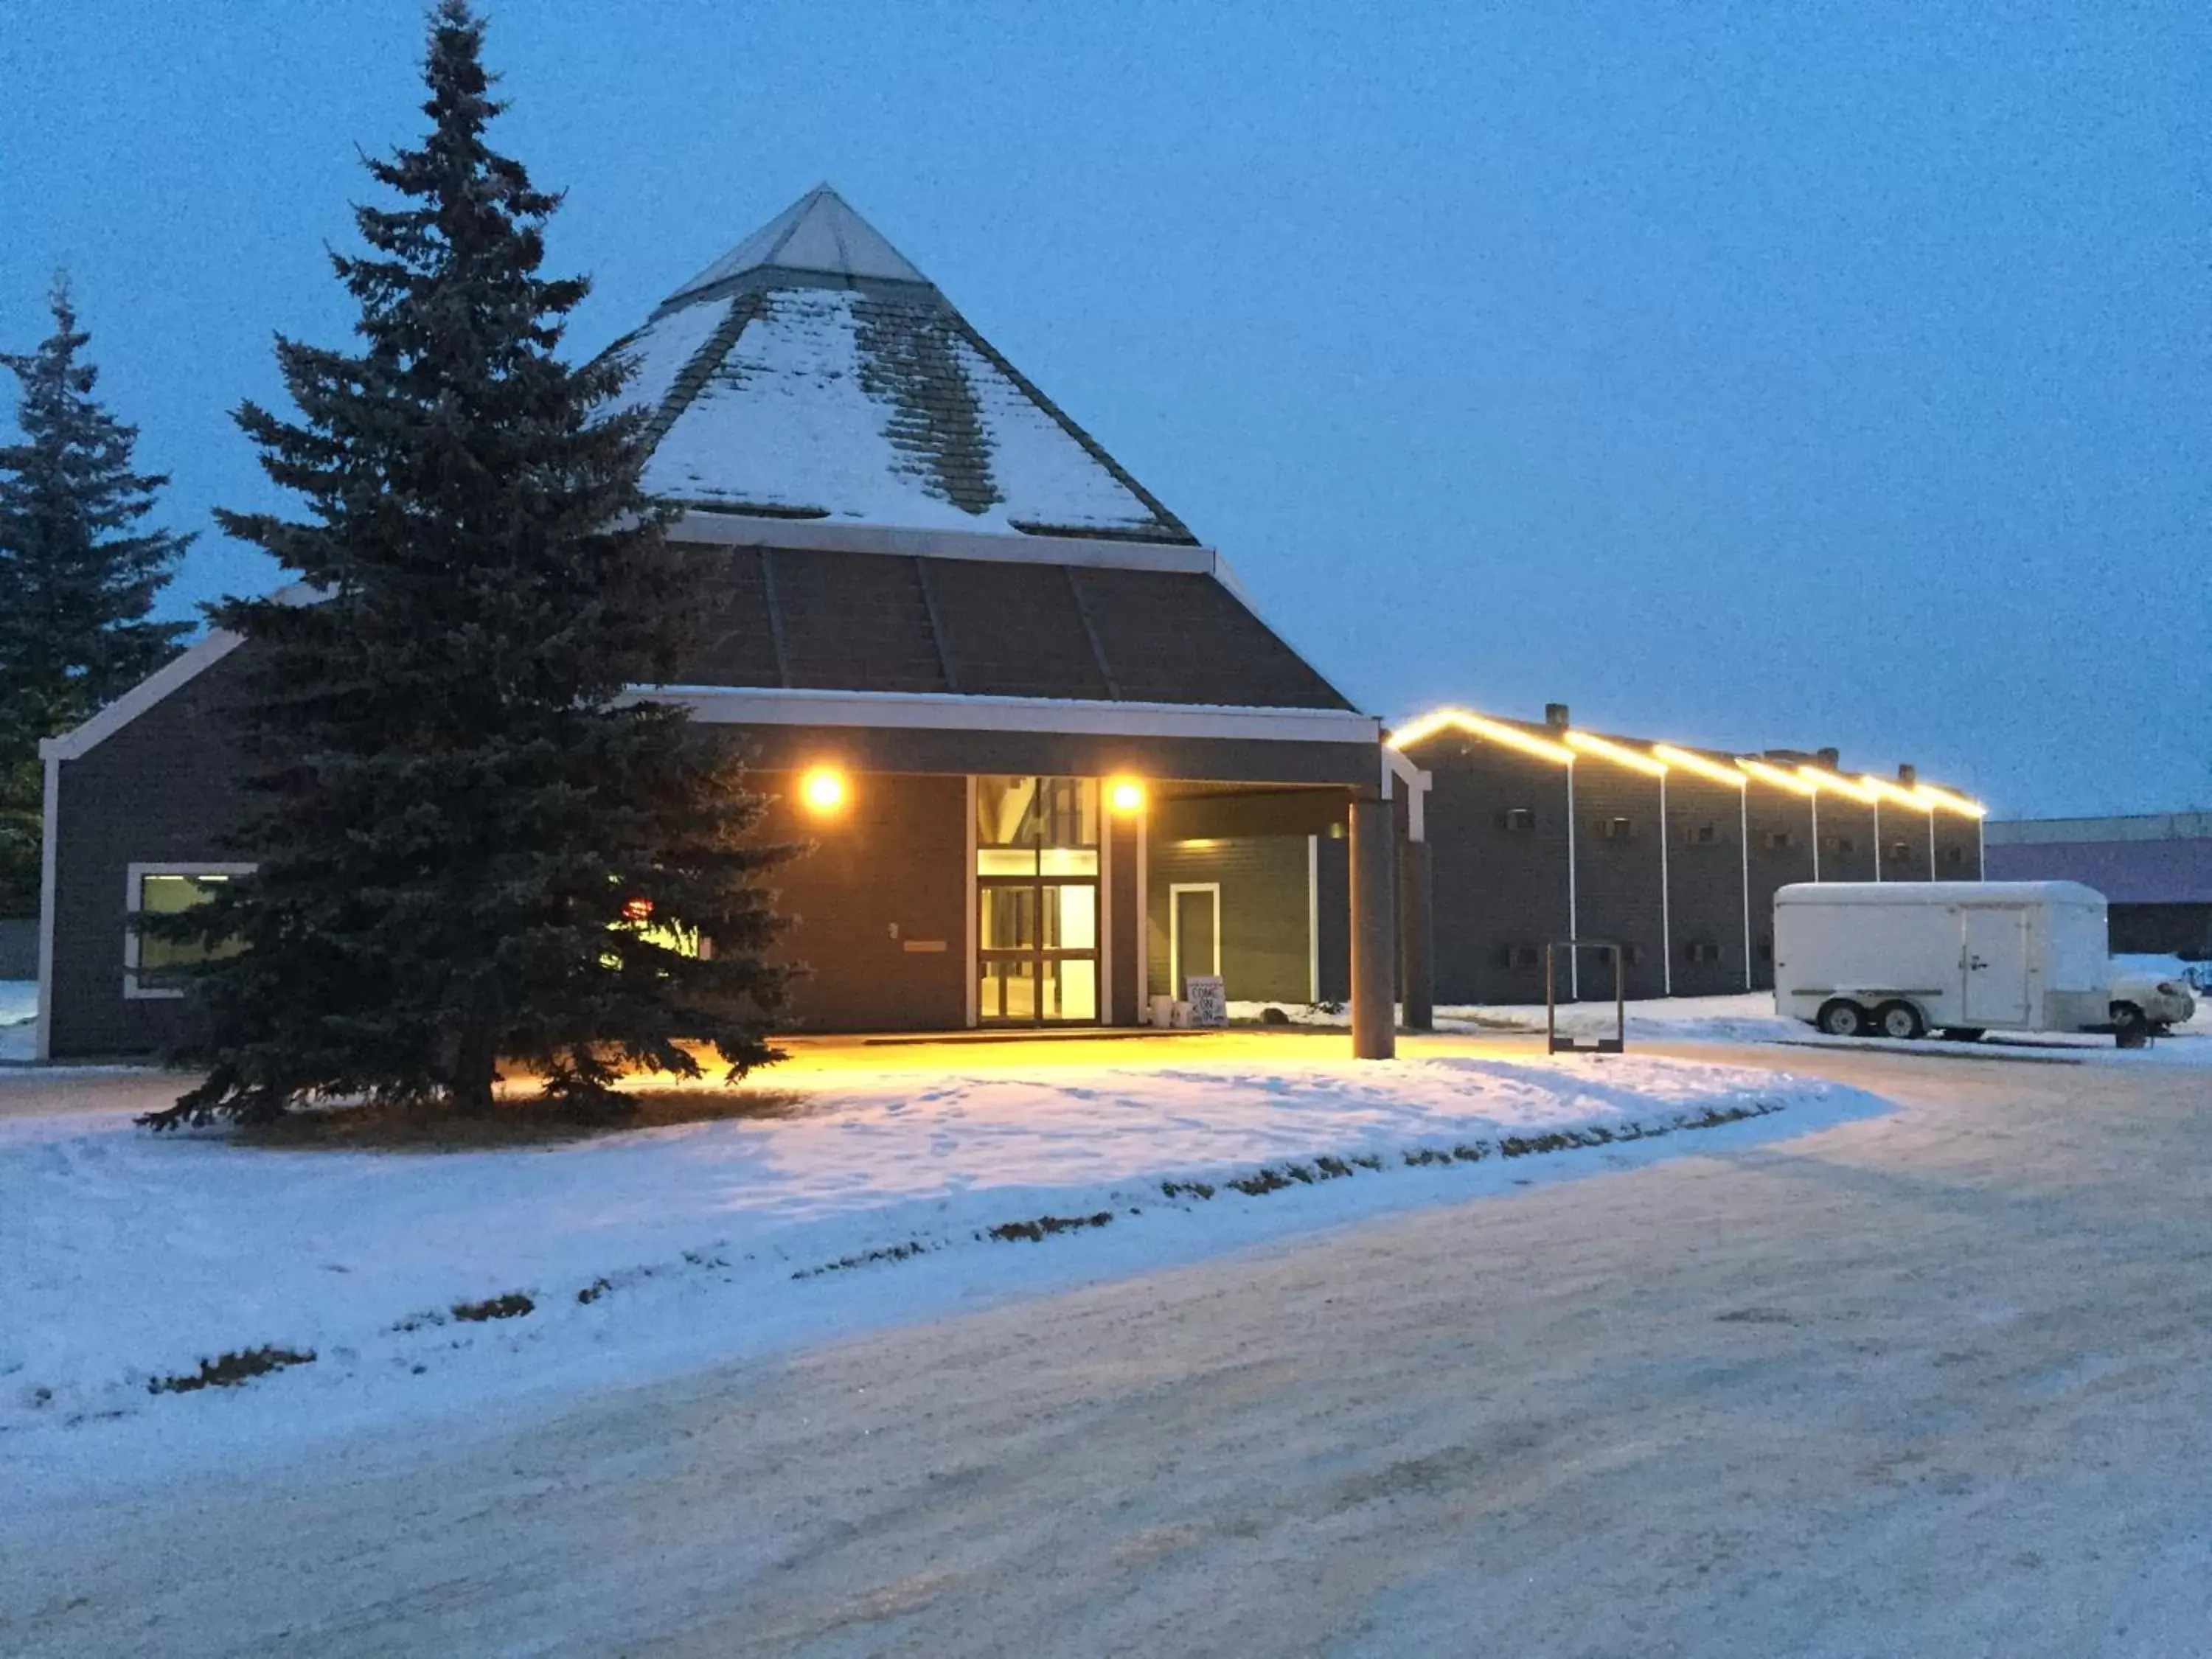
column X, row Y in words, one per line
column 1739, row 771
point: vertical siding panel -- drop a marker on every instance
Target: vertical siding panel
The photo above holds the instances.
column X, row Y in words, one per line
column 1706, row 883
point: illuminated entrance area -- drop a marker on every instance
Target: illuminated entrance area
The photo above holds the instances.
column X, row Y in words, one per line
column 1036, row 895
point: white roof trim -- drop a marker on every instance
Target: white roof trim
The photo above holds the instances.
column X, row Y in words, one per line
column 936, row 711
column 1398, row 766
column 172, row 675
column 49, row 870
column 817, row 535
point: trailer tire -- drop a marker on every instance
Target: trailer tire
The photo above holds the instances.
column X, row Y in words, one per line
column 1841, row 1017
column 1899, row 1020
column 2130, row 1028
column 1961, row 1034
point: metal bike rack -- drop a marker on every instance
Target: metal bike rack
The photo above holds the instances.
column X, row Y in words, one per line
column 1618, row 1042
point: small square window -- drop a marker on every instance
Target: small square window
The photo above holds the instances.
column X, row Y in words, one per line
column 1520, row 817
column 1616, row 828
column 1778, row 840
column 157, row 967
column 1954, row 855
column 1901, row 852
column 1842, row 846
column 1521, row 955
column 1702, row 835
column 1701, row 950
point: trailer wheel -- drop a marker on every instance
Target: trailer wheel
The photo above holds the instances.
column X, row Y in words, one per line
column 2130, row 1028
column 1841, row 1017
column 1900, row 1020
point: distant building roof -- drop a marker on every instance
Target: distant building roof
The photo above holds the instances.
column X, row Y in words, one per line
column 2161, row 858
column 814, row 372
column 2142, row 826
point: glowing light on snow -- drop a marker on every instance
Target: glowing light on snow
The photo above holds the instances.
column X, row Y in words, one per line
column 1836, row 784
column 1590, row 743
column 1711, row 770
column 1882, row 789
column 1777, row 776
column 1951, row 803
column 1462, row 719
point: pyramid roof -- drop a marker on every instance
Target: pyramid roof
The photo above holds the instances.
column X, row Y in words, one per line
column 813, row 372
column 818, row 233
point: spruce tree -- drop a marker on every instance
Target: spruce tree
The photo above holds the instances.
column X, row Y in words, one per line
column 471, row 850
column 79, row 572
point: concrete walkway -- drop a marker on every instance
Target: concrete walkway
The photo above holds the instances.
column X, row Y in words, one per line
column 1935, row 1383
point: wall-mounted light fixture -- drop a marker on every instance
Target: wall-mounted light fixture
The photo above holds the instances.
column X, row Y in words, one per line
column 823, row 789
column 1125, row 795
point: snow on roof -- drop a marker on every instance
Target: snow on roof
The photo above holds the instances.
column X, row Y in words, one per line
column 663, row 351
column 1937, row 892
column 812, row 371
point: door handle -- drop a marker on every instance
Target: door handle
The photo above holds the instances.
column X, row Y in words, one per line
column 1977, row 962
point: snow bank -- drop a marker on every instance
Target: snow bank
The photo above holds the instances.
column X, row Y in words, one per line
column 131, row 1257
column 19, row 1014
column 1744, row 1017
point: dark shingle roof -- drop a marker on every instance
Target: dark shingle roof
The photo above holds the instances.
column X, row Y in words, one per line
column 867, row 621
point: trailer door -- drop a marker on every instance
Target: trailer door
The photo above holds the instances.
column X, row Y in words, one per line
column 1996, row 966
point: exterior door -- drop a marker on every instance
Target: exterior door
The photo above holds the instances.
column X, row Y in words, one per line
column 1036, row 892
column 1996, row 961
column 1195, row 942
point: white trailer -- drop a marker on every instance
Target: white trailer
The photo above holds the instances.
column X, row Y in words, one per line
column 1900, row 958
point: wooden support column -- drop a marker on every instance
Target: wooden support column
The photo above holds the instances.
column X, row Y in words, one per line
column 1374, row 1011
column 1416, row 937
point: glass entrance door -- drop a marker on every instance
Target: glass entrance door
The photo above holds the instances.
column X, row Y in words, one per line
column 1036, row 894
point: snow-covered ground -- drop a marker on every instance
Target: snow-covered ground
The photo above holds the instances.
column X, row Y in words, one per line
column 1749, row 1016
column 1743, row 1017
column 131, row 1257
column 19, row 1013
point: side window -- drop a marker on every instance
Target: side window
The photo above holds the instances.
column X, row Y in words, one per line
column 153, row 967
column 1616, row 828
column 1702, row 835
column 1779, row 841
column 1701, row 950
column 1520, row 817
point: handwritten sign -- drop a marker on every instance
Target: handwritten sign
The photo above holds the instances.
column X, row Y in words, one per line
column 1209, row 1000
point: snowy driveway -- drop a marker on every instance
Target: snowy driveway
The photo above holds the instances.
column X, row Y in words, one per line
column 1930, row 1382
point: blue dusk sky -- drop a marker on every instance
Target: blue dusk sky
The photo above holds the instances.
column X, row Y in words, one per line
column 1741, row 374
